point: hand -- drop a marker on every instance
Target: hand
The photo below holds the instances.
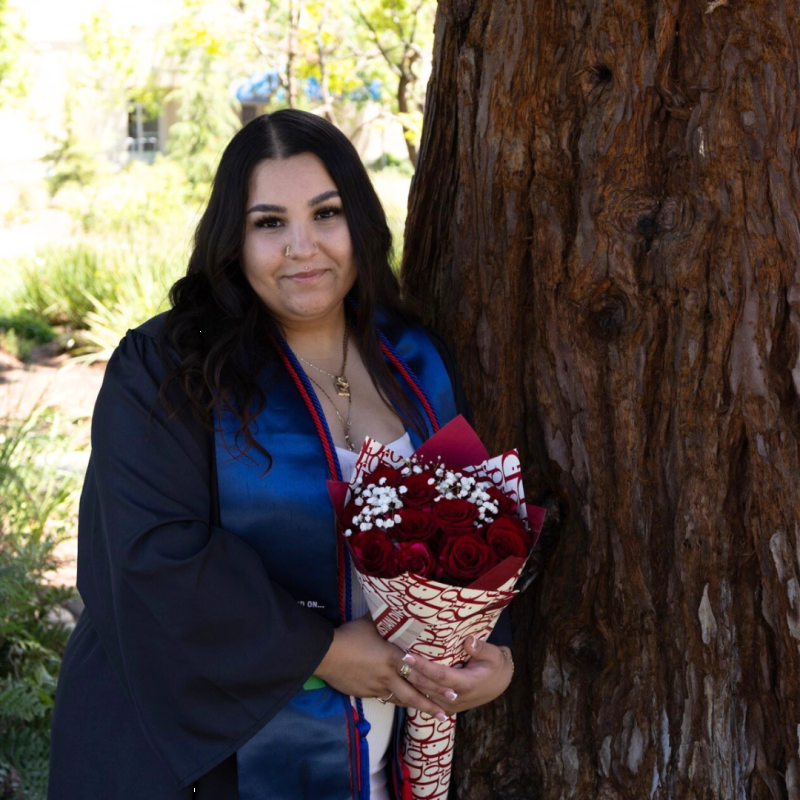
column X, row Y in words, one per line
column 485, row 677
column 361, row 663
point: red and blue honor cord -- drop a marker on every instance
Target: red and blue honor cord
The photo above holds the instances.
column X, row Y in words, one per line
column 303, row 384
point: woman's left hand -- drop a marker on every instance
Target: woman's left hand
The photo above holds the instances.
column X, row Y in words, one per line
column 481, row 680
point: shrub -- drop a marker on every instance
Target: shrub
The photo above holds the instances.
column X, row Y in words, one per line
column 55, row 282
column 139, row 200
column 28, row 326
column 37, row 505
column 141, row 293
column 82, row 285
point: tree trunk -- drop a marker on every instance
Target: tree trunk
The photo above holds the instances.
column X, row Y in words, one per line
column 295, row 9
column 604, row 223
column 403, row 89
column 324, row 88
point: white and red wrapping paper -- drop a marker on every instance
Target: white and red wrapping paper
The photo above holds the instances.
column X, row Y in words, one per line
column 432, row 619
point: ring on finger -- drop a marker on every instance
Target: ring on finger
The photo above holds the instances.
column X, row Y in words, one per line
column 405, row 670
column 385, row 700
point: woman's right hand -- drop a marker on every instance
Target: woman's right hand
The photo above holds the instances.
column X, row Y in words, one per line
column 361, row 663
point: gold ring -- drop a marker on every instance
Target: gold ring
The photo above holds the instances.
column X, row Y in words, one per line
column 405, row 670
column 385, row 700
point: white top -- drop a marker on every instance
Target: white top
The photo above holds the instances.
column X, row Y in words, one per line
column 379, row 716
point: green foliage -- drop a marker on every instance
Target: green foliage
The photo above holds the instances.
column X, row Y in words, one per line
column 37, row 506
column 100, row 79
column 71, row 160
column 111, row 52
column 140, row 197
column 392, row 165
column 12, row 74
column 346, row 44
column 125, row 280
column 21, row 332
column 205, row 51
column 392, row 185
column 206, row 121
column 27, row 325
column 55, row 282
column 402, row 32
column 141, row 293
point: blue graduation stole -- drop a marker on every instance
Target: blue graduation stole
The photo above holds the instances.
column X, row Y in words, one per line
column 315, row 747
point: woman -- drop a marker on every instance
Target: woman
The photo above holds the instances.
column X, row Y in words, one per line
column 225, row 651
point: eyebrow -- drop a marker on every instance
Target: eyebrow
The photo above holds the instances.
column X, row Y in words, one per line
column 314, row 201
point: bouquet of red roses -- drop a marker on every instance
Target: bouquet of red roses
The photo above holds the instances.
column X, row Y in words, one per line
column 438, row 541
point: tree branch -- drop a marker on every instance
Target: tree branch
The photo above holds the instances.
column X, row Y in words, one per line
column 374, row 33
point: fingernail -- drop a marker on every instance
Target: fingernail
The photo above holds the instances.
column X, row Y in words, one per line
column 441, row 717
column 473, row 642
column 409, row 659
column 451, row 695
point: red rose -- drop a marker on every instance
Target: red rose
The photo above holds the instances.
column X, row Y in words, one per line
column 505, row 539
column 455, row 516
column 412, row 557
column 414, row 526
column 419, row 492
column 373, row 549
column 383, row 471
column 513, row 524
column 465, row 558
column 505, row 504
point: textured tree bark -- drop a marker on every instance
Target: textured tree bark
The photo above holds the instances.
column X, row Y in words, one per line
column 604, row 223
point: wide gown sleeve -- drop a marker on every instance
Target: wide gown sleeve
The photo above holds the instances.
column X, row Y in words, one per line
column 501, row 634
column 205, row 645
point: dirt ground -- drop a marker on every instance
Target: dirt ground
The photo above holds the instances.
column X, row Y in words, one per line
column 70, row 387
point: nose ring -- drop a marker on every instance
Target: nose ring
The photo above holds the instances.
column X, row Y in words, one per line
column 287, row 251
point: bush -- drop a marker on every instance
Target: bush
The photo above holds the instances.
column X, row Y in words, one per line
column 37, row 506
column 56, row 280
column 142, row 292
column 92, row 283
column 21, row 332
column 28, row 326
column 139, row 200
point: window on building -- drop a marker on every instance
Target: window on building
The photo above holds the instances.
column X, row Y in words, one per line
column 144, row 139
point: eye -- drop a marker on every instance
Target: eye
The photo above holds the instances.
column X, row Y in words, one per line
column 329, row 212
column 267, row 222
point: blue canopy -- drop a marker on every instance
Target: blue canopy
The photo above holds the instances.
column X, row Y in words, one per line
column 265, row 86
column 259, row 88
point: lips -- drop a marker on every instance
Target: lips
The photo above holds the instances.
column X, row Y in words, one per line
column 306, row 274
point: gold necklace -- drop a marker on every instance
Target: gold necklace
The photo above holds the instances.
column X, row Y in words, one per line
column 340, row 381
column 342, row 388
column 345, row 425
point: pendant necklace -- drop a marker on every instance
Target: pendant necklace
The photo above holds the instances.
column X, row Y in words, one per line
column 341, row 385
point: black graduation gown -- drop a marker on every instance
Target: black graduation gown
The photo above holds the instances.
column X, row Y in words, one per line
column 185, row 649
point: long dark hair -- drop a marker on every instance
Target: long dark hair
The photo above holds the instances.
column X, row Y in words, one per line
column 217, row 323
